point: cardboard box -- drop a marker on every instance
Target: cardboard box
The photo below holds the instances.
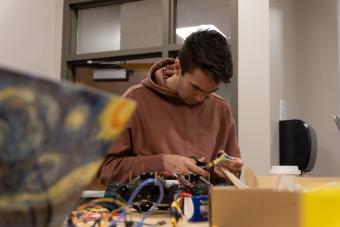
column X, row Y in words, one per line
column 272, row 182
column 262, row 206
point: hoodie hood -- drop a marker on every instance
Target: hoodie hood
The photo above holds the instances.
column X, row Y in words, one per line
column 156, row 81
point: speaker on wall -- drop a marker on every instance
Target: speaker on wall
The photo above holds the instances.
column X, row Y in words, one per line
column 298, row 145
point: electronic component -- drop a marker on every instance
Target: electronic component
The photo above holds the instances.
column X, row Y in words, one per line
column 196, row 208
column 219, row 160
column 172, row 184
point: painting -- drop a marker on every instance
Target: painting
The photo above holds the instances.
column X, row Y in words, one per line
column 53, row 138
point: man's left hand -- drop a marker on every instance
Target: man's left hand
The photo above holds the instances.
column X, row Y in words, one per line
column 235, row 165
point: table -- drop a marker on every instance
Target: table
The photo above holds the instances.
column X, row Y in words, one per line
column 154, row 218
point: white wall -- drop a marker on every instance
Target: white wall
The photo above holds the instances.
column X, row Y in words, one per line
column 318, row 78
column 253, row 84
column 283, row 77
column 31, row 34
column 304, row 40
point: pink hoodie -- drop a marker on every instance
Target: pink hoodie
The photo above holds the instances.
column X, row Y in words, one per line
column 164, row 124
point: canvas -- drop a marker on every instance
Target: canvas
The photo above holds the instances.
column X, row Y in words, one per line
column 53, row 137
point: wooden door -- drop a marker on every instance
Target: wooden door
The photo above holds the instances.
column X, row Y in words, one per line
column 136, row 72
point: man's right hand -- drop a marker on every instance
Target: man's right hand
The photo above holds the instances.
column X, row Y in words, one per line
column 167, row 69
column 182, row 165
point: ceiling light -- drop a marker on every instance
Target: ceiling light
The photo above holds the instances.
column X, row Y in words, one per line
column 186, row 31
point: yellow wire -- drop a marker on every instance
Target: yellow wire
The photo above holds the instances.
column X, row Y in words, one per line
column 107, row 200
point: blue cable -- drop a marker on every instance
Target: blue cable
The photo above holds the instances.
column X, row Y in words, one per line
column 135, row 193
column 160, row 198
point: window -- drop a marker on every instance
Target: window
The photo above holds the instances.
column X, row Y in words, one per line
column 127, row 25
column 192, row 14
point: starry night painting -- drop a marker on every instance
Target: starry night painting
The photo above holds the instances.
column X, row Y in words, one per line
column 53, row 138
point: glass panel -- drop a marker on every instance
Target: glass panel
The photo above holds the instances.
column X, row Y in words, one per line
column 98, row 29
column 119, row 26
column 141, row 24
column 214, row 14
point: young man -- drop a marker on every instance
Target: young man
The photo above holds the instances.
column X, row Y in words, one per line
column 178, row 119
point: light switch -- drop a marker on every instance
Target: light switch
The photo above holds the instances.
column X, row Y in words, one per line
column 283, row 110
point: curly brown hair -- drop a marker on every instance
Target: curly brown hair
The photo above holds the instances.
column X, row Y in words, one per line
column 207, row 50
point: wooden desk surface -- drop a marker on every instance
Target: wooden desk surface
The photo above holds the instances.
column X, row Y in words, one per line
column 153, row 219
column 160, row 215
